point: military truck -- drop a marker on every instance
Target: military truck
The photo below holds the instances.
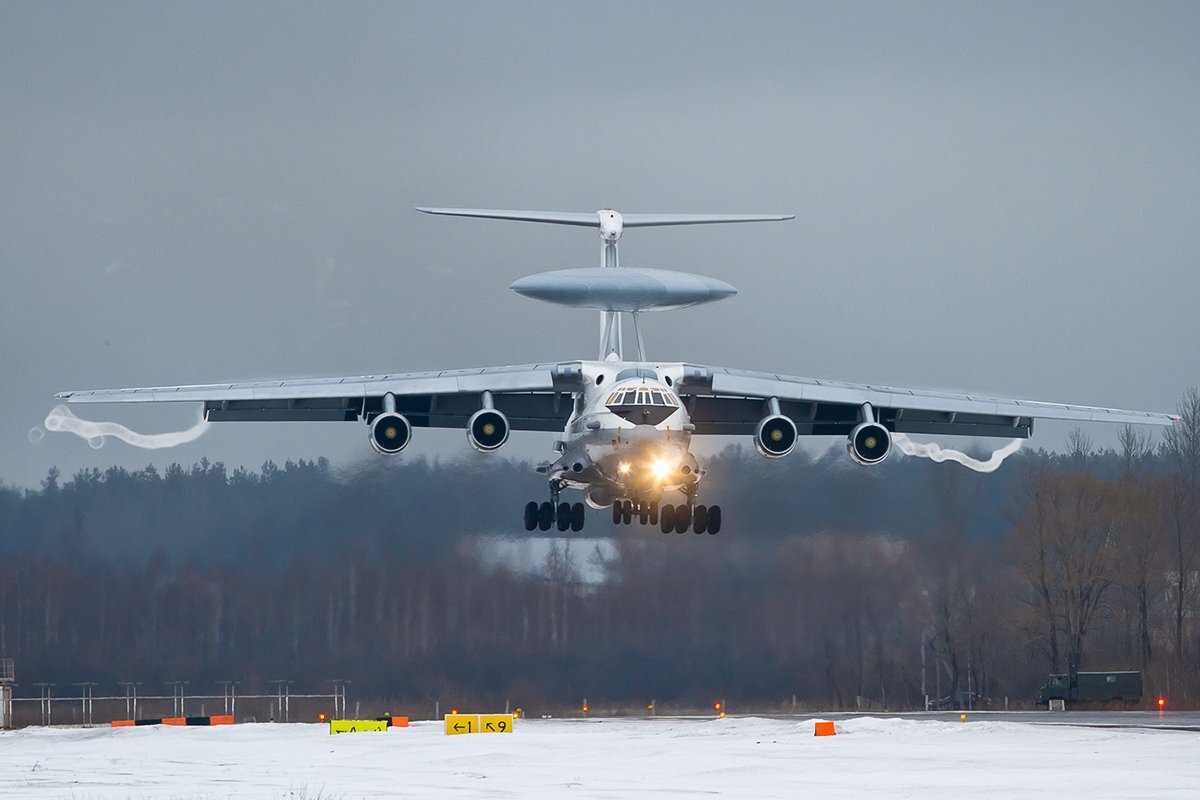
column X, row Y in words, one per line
column 1092, row 687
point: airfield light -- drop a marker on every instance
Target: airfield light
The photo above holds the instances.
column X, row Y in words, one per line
column 585, row 708
column 623, row 468
column 321, row 717
column 717, row 706
column 454, row 711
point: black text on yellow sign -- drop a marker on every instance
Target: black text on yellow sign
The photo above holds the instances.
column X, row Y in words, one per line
column 478, row 723
column 356, row 725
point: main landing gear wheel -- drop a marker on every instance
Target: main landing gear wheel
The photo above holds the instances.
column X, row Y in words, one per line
column 683, row 518
column 577, row 518
column 701, row 519
column 714, row 520
column 546, row 516
column 564, row 517
column 532, row 515
column 666, row 516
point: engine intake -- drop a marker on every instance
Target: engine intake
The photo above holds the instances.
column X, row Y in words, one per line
column 869, row 443
column 390, row 433
column 487, row 430
column 775, row 436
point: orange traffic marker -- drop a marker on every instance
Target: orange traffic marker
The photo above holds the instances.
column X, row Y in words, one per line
column 123, row 723
column 825, row 729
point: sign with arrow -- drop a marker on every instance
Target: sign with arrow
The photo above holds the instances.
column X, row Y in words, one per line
column 457, row 724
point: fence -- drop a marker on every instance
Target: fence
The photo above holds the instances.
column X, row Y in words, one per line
column 84, row 707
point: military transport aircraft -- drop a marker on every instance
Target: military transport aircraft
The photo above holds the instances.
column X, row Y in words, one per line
column 624, row 424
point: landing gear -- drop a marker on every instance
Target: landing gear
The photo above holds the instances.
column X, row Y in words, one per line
column 701, row 519
column 626, row 511
column 564, row 516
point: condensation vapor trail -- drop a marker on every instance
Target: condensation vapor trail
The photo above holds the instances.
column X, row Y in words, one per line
column 939, row 453
column 63, row 420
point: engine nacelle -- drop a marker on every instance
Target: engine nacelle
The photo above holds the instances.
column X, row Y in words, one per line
column 390, row 433
column 775, row 436
column 487, row 430
column 869, row 443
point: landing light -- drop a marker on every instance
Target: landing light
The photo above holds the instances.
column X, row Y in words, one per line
column 623, row 468
column 660, row 470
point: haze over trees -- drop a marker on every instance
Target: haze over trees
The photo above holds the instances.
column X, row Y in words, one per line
column 836, row 585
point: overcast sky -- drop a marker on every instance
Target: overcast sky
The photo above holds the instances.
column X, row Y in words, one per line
column 1001, row 198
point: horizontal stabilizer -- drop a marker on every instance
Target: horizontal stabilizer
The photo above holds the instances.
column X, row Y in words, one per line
column 592, row 218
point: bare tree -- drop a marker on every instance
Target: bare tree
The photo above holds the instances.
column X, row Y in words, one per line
column 1137, row 446
column 1181, row 447
column 1063, row 545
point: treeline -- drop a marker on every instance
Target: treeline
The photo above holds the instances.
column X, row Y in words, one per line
column 838, row 585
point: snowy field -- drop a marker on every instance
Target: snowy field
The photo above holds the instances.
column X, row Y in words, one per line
column 734, row 757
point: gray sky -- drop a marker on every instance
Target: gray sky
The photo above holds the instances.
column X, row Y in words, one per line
column 996, row 198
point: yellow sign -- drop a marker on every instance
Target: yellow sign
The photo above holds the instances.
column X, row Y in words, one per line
column 478, row 723
column 356, row 725
column 495, row 723
column 461, row 723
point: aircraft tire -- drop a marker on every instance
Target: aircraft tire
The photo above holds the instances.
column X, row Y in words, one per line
column 667, row 518
column 616, row 508
column 654, row 513
column 563, row 517
column 627, row 512
column 531, row 515
column 644, row 513
column 714, row 520
column 546, row 516
column 683, row 519
column 577, row 517
column 700, row 520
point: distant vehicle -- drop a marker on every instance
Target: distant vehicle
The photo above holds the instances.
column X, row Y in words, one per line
column 962, row 699
column 1092, row 687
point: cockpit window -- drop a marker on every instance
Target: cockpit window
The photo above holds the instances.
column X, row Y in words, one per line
column 642, row 397
column 637, row 372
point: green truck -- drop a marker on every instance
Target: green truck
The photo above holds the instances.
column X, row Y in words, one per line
column 1092, row 687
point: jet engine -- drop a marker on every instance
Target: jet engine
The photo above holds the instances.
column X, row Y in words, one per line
column 775, row 436
column 869, row 443
column 390, row 433
column 487, row 430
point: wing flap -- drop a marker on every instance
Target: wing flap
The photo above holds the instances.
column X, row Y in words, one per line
column 534, row 397
column 822, row 407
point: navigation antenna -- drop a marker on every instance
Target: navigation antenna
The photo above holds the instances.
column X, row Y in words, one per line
column 631, row 296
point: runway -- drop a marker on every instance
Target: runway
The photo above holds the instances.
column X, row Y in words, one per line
column 870, row 756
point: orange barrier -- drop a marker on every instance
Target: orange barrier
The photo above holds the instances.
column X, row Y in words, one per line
column 399, row 722
column 219, row 719
column 825, row 729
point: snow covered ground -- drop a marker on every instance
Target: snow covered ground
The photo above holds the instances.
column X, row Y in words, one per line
column 631, row 758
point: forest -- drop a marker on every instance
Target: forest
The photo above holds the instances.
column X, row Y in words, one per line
column 831, row 585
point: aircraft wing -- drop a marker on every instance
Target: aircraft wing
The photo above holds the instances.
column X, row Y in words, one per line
column 729, row 401
column 534, row 397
